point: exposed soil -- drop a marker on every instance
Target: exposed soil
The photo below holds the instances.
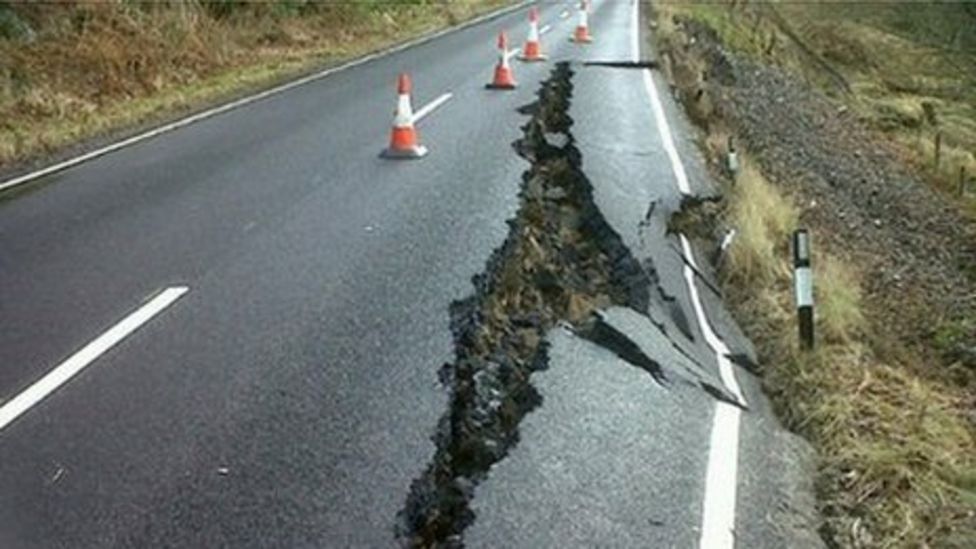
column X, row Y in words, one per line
column 560, row 263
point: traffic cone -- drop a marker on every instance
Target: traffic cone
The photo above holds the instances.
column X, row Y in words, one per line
column 404, row 141
column 503, row 73
column 533, row 49
column 582, row 34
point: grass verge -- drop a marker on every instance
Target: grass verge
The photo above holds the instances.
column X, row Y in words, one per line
column 896, row 451
column 894, row 432
column 73, row 71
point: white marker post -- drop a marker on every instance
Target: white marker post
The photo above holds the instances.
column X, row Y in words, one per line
column 803, row 284
column 733, row 162
column 723, row 248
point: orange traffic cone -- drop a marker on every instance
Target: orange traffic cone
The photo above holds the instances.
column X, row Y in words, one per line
column 503, row 73
column 404, row 141
column 533, row 49
column 582, row 34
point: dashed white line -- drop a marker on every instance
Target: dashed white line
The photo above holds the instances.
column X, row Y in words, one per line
column 429, row 107
column 545, row 29
column 57, row 377
column 512, row 53
column 564, row 14
column 166, row 128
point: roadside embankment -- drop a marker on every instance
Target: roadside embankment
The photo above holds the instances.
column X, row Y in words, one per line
column 887, row 397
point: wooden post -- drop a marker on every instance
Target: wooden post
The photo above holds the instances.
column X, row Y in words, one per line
column 938, row 151
column 962, row 181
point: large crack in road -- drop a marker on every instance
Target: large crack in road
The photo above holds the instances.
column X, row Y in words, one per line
column 561, row 262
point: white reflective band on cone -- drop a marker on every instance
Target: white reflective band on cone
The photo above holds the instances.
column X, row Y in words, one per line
column 404, row 114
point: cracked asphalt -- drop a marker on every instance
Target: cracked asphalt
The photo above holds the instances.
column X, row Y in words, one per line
column 289, row 399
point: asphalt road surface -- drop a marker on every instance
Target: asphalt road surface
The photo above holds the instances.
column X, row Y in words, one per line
column 278, row 387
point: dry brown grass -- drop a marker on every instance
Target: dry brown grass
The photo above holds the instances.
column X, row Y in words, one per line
column 90, row 68
column 897, row 454
column 895, row 436
column 762, row 216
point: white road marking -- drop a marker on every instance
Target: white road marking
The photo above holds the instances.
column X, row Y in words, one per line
column 718, row 509
column 713, row 340
column 166, row 128
column 635, row 32
column 57, row 475
column 545, row 29
column 429, row 107
column 564, row 14
column 717, row 345
column 721, row 476
column 663, row 128
column 512, row 53
column 81, row 359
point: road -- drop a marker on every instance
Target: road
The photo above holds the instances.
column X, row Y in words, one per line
column 287, row 392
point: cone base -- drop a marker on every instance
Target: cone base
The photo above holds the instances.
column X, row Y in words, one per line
column 503, row 80
column 419, row 151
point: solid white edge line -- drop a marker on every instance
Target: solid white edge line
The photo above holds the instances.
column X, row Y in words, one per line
column 429, row 107
column 166, row 128
column 57, row 377
column 663, row 128
column 714, row 341
column 545, row 29
column 718, row 507
column 721, row 476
